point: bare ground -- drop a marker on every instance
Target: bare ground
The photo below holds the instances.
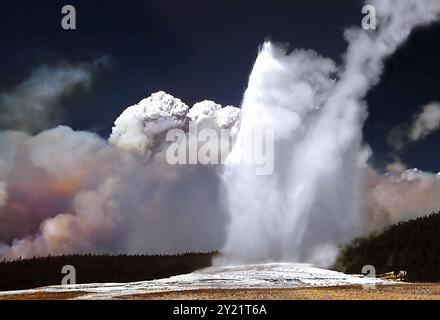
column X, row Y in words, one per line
column 410, row 291
column 383, row 292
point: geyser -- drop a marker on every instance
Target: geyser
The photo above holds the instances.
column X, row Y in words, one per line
column 311, row 203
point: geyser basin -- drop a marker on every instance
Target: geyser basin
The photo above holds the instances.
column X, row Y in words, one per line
column 255, row 276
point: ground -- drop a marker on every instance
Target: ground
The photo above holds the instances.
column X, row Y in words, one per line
column 251, row 282
column 409, row 291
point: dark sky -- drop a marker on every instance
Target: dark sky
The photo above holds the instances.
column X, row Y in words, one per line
column 198, row 50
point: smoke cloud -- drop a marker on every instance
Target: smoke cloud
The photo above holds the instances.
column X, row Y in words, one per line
column 422, row 125
column 426, row 122
column 3, row 193
column 137, row 127
column 35, row 104
column 214, row 114
column 398, row 195
column 65, row 191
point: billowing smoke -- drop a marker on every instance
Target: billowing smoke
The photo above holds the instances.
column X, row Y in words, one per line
column 65, row 191
column 138, row 126
column 423, row 124
column 3, row 194
column 35, row 104
column 397, row 195
column 223, row 117
column 426, row 122
column 311, row 203
column 44, row 174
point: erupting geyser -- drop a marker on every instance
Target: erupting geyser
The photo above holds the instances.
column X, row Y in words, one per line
column 311, row 203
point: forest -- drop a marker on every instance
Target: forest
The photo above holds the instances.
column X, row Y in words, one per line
column 44, row 271
column 412, row 246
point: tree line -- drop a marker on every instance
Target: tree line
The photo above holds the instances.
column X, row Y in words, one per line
column 44, row 271
column 412, row 246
